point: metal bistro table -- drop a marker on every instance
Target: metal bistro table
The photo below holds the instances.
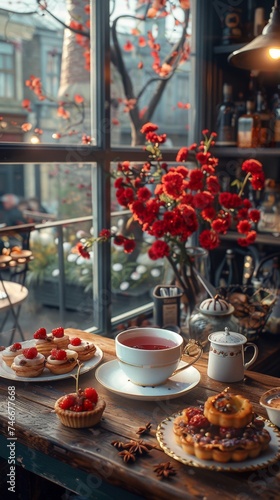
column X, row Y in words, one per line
column 86, row 462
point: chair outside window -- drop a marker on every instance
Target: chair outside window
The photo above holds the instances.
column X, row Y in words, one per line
column 13, row 267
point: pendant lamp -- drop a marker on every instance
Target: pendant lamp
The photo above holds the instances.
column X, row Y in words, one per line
column 262, row 53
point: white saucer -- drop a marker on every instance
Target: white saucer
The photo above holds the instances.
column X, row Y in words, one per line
column 111, row 376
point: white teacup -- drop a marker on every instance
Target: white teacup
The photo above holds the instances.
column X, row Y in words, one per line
column 149, row 356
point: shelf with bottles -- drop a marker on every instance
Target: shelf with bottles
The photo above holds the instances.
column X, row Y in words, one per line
column 244, row 153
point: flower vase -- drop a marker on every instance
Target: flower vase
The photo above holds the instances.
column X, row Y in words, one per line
column 189, row 278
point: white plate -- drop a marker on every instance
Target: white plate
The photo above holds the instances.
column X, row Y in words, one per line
column 166, row 439
column 7, row 372
column 111, row 376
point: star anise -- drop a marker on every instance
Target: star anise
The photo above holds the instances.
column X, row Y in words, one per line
column 140, row 447
column 127, row 456
column 144, row 430
column 118, row 444
column 164, row 470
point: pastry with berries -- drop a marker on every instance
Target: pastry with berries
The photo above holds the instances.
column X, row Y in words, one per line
column 60, row 339
column 30, row 363
column 83, row 408
column 85, row 350
column 9, row 353
column 61, row 361
column 225, row 430
column 44, row 341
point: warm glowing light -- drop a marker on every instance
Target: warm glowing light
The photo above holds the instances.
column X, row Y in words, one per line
column 35, row 139
column 274, row 53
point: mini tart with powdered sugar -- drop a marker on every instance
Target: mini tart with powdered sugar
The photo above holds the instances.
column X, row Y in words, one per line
column 9, row 353
column 85, row 350
column 209, row 435
column 30, row 363
column 61, row 361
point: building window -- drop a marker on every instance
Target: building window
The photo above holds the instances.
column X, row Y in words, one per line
column 53, row 67
column 7, row 70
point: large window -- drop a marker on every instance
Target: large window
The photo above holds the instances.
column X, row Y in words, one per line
column 116, row 66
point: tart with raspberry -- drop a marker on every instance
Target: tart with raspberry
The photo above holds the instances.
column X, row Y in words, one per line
column 44, row 341
column 208, row 434
column 30, row 363
column 83, row 408
column 61, row 361
column 60, row 339
column 85, row 350
column 9, row 353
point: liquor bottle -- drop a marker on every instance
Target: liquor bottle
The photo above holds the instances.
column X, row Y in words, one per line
column 226, row 120
column 266, row 132
column 248, row 128
column 227, row 273
column 240, row 105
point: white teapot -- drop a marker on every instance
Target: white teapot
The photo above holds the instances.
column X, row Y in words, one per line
column 226, row 356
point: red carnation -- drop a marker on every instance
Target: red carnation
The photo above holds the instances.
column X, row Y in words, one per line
column 83, row 250
column 209, row 239
column 182, row 154
column 252, row 166
column 244, row 227
column 254, row 215
column 129, row 245
column 257, row 181
column 158, row 250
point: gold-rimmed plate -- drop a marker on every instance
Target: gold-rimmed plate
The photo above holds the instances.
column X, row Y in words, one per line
column 166, row 439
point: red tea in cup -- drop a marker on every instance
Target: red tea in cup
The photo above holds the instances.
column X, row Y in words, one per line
column 149, row 343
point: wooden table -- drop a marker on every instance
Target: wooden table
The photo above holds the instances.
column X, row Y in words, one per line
column 85, row 461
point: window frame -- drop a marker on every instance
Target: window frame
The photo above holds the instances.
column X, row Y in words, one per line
column 102, row 154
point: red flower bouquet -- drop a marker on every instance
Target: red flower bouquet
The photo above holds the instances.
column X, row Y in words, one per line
column 173, row 203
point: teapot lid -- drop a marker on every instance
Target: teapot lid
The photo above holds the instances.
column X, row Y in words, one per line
column 227, row 337
column 216, row 306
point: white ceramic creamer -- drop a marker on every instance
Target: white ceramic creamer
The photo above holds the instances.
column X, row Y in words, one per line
column 226, row 356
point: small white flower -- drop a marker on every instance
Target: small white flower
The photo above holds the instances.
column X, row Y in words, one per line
column 124, row 286
column 155, row 272
column 141, row 269
column 71, row 257
column 135, row 276
column 55, row 273
column 117, row 266
column 67, row 246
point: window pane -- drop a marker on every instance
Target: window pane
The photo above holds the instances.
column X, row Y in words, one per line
column 52, row 70
column 59, row 280
column 150, row 70
column 134, row 275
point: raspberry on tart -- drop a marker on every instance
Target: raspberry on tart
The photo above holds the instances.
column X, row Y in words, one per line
column 83, row 408
column 41, row 333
